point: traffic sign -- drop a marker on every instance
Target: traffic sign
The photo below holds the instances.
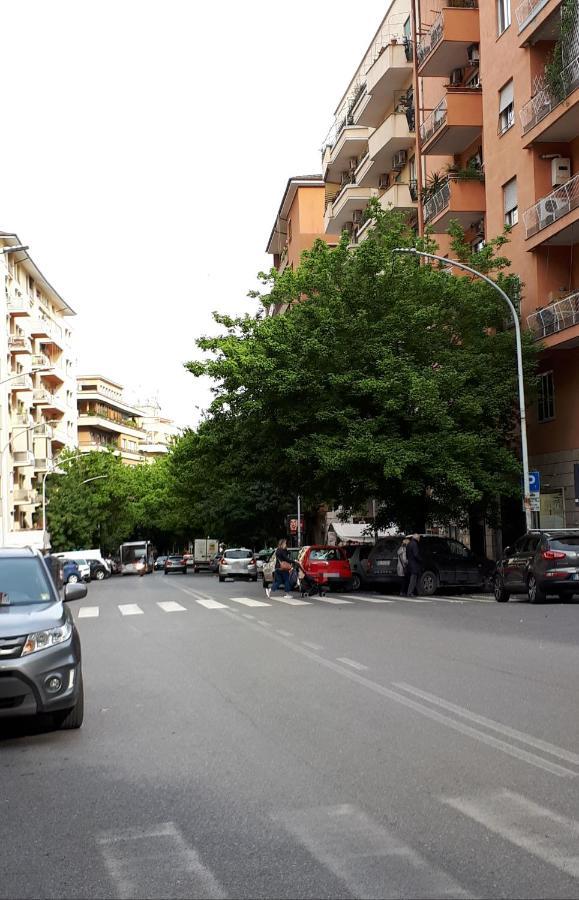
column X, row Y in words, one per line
column 535, row 503
column 534, row 482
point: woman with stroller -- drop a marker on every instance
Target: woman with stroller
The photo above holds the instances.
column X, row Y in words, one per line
column 283, row 566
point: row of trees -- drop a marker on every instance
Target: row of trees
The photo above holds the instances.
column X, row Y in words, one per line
column 385, row 378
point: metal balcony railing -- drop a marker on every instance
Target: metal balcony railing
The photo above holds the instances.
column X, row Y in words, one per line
column 544, row 99
column 23, row 458
column 555, row 317
column 21, row 383
column 19, row 342
column 552, row 207
column 435, row 204
column 25, row 496
column 435, row 33
column 434, row 121
column 40, row 361
column 527, row 10
column 41, row 395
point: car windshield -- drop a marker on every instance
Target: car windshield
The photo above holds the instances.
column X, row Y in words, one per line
column 238, row 554
column 326, row 554
column 565, row 542
column 23, row 581
column 81, row 562
column 387, row 548
column 175, row 557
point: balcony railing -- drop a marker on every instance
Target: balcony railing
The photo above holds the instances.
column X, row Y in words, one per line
column 40, row 361
column 545, row 99
column 439, row 201
column 435, row 33
column 555, row 317
column 21, row 383
column 527, row 10
column 25, row 496
column 552, row 207
column 19, row 343
column 434, row 121
column 23, row 458
column 41, row 395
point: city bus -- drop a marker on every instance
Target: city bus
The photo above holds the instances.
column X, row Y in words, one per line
column 136, row 558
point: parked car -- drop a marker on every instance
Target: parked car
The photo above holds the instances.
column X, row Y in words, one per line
column 175, row 563
column 446, row 563
column 98, row 571
column 238, row 563
column 540, row 563
column 71, row 573
column 261, row 558
column 214, row 562
column 358, row 555
column 160, row 563
column 269, row 566
column 40, row 654
column 328, row 565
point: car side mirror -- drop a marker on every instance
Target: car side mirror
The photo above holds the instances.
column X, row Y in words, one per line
column 74, row 592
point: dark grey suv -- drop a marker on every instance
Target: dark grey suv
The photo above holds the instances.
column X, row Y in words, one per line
column 40, row 660
column 540, row 563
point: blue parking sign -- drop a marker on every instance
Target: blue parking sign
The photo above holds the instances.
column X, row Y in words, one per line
column 534, row 482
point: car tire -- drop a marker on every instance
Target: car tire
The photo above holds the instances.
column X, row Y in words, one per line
column 71, row 718
column 100, row 575
column 535, row 593
column 428, row 583
column 221, row 579
column 253, row 578
column 72, row 579
column 356, row 582
column 501, row 594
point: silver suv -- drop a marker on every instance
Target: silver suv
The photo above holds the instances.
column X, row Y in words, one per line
column 40, row 660
column 540, row 563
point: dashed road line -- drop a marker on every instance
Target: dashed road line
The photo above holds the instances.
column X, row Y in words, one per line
column 312, row 646
column 248, row 601
column 284, row 633
column 352, row 663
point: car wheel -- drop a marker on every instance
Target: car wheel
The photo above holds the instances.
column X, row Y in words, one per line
column 356, row 582
column 71, row 718
column 100, row 575
column 536, row 594
column 253, row 578
column 428, row 584
column 72, row 579
column 501, row 595
column 221, row 579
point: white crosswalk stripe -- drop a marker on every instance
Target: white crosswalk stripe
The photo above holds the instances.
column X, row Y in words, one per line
column 336, row 601
column 209, row 603
column 291, row 601
column 130, row 609
column 358, row 597
column 248, row 601
column 171, row 606
column 88, row 612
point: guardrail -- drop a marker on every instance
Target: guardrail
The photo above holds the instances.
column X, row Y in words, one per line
column 555, row 317
column 552, row 207
column 435, row 204
column 434, row 121
column 544, row 99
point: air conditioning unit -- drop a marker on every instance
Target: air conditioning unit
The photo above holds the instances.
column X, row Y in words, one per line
column 473, row 54
column 399, row 160
column 353, row 163
column 384, row 181
column 560, row 171
column 456, row 76
column 549, row 210
column 357, row 217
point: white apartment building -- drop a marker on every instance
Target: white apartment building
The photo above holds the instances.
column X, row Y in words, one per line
column 159, row 430
column 37, row 391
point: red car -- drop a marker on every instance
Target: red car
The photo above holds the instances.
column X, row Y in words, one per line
column 327, row 565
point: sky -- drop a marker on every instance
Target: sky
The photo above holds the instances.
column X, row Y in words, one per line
column 146, row 147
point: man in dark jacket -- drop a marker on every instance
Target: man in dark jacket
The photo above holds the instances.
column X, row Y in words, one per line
column 414, row 564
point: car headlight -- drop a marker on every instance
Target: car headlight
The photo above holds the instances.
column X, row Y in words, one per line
column 41, row 640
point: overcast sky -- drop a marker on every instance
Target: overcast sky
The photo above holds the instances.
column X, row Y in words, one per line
column 145, row 149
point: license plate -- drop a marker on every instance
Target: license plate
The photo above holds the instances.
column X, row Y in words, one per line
column 575, row 576
column 332, row 575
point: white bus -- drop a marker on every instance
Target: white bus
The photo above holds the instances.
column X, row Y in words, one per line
column 136, row 558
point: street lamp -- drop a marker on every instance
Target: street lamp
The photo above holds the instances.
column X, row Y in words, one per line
column 15, row 249
column 520, row 377
column 32, row 372
column 94, row 478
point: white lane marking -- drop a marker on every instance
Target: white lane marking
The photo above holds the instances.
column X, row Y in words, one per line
column 88, row 612
column 367, row 599
column 248, row 601
column 284, row 633
column 248, row 616
column 130, row 609
column 265, row 624
column 413, row 600
column 171, row 606
column 428, row 712
column 353, row 663
column 312, row 646
column 521, row 736
column 209, row 603
column 370, row 859
column 337, row 601
column 540, row 831
column 447, row 600
column 146, row 862
column 290, row 601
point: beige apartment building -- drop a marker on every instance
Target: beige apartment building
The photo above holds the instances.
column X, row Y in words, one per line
column 37, row 391
column 107, row 421
column 159, row 431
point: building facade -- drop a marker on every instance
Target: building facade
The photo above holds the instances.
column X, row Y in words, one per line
column 107, row 421
column 160, row 432
column 299, row 220
column 37, row 391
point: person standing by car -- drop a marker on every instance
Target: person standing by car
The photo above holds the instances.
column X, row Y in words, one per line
column 402, row 566
column 283, row 567
column 414, row 564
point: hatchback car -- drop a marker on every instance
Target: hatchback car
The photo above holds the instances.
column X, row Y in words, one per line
column 238, row 563
column 445, row 563
column 358, row 555
column 98, row 570
column 175, row 563
column 540, row 563
column 269, row 566
column 328, row 565
column 40, row 656
column 159, row 563
column 70, row 571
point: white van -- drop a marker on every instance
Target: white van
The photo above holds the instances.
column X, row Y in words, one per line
column 81, row 556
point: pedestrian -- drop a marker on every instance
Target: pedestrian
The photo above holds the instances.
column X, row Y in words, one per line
column 414, row 564
column 402, row 565
column 283, row 567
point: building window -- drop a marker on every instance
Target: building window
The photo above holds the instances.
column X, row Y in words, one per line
column 506, row 107
column 546, row 397
column 503, row 15
column 289, row 230
column 510, row 203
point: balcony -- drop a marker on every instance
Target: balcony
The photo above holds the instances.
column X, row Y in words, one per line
column 537, row 20
column 546, row 324
column 21, row 419
column 454, row 124
column 351, row 142
column 60, row 438
column 22, row 458
column 351, row 200
column 18, row 302
column 52, row 403
column 21, row 383
column 552, row 116
column 391, row 137
column 461, row 199
column 41, row 396
column 25, row 497
column 444, row 46
column 390, row 72
column 42, row 464
column 399, row 197
column 43, row 430
column 99, row 421
column 554, row 219
column 19, row 343
column 47, row 331
column 40, row 361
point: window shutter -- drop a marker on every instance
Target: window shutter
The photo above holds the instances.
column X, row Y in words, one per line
column 506, row 95
column 510, row 194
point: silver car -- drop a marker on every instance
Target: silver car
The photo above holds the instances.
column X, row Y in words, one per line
column 238, row 563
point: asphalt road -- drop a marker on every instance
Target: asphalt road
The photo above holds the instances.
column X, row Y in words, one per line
column 239, row 747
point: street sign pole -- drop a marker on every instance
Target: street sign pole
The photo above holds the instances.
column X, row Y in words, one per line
column 299, row 521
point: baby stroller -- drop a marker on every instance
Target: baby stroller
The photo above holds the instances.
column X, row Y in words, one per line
column 309, row 586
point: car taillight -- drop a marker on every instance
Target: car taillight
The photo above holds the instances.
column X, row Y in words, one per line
column 251, row 562
column 553, row 554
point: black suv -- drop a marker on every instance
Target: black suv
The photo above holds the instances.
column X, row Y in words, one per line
column 446, row 563
column 540, row 563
